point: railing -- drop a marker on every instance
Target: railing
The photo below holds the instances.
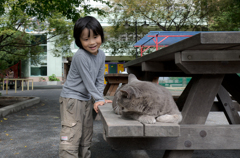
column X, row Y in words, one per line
column 16, row 79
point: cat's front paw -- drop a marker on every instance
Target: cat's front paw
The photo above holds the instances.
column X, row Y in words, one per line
column 147, row 119
column 176, row 118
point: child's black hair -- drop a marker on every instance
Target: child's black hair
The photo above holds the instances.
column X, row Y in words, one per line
column 90, row 23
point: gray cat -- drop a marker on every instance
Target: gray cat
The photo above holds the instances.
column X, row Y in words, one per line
column 146, row 102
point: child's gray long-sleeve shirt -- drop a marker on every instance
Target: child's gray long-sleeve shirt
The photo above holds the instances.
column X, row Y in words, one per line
column 85, row 77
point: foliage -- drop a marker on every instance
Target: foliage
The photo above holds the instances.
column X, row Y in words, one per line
column 16, row 44
column 162, row 15
column 168, row 15
column 120, row 40
column 42, row 9
column 53, row 19
column 53, row 78
column 119, row 48
column 42, row 79
column 227, row 17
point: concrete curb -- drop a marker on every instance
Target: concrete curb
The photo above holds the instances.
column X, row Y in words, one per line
column 18, row 106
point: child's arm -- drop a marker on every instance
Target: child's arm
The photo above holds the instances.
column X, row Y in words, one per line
column 100, row 78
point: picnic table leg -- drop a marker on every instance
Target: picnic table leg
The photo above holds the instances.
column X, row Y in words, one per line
column 112, row 89
column 6, row 86
column 15, row 86
column 200, row 98
column 226, row 102
column 22, row 85
column 182, row 98
column 106, row 89
column 198, row 105
column 233, row 89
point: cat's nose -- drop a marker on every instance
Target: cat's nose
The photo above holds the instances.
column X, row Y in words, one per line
column 122, row 108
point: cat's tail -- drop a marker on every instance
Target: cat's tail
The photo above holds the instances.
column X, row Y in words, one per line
column 175, row 118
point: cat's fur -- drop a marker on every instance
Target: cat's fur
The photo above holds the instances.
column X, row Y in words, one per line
column 146, row 102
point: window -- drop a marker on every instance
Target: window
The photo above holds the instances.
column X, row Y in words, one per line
column 40, row 69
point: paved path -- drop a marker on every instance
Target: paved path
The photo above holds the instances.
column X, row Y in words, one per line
column 34, row 133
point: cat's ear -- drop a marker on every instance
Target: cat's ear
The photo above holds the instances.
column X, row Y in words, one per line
column 126, row 94
column 130, row 91
column 131, row 78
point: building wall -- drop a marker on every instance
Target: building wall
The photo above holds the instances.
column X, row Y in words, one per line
column 25, row 69
column 54, row 64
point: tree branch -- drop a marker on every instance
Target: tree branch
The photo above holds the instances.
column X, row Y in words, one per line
column 9, row 52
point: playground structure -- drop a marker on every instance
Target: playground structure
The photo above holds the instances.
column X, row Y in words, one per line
column 17, row 74
column 162, row 39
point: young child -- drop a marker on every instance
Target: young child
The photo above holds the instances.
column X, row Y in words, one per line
column 85, row 79
column 10, row 73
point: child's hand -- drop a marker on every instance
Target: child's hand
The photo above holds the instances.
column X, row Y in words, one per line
column 108, row 101
column 95, row 106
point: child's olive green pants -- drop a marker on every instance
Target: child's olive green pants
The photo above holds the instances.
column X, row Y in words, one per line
column 77, row 128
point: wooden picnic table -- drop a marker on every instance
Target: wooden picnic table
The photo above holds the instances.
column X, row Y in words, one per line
column 213, row 61
column 113, row 81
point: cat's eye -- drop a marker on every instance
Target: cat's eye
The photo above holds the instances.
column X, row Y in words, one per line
column 124, row 96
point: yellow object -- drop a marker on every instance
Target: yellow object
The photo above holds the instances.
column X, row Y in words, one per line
column 120, row 68
column 106, row 69
column 106, row 72
column 17, row 79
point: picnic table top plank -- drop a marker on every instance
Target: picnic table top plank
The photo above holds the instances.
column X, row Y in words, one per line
column 201, row 41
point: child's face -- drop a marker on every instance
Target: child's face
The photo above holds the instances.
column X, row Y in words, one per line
column 91, row 43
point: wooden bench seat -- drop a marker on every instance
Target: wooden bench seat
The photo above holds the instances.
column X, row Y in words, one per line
column 116, row 126
column 124, row 134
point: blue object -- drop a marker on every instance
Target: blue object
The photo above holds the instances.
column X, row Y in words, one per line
column 148, row 41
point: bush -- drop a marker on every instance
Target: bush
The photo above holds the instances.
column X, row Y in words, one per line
column 42, row 79
column 53, row 78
